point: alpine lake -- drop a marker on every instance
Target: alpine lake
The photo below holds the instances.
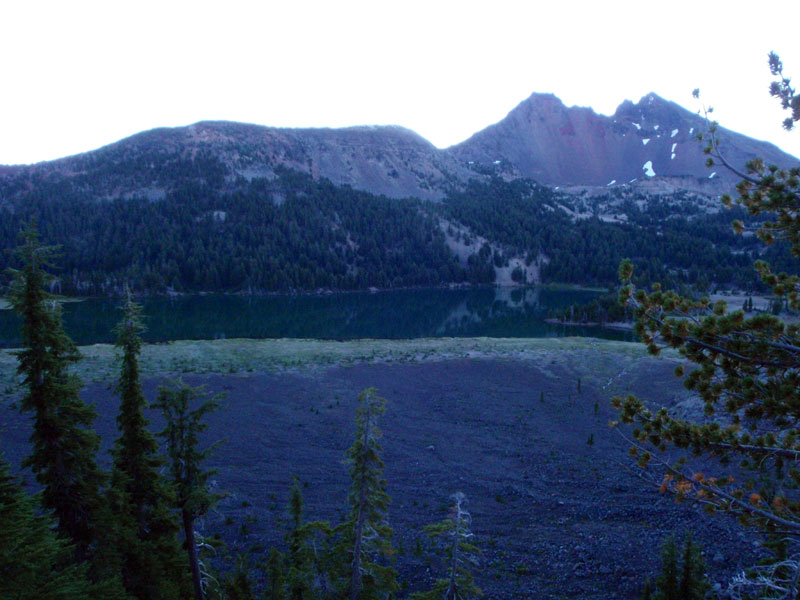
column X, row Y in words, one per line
column 397, row 314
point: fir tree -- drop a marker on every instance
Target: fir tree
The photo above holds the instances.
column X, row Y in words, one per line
column 683, row 573
column 64, row 443
column 181, row 433
column 35, row 564
column 667, row 582
column 151, row 562
column 459, row 554
column 694, row 582
column 366, row 538
column 299, row 569
column 309, row 562
column 276, row 580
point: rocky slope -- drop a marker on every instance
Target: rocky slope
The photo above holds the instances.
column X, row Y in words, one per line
column 558, row 509
column 544, row 140
column 540, row 139
column 392, row 161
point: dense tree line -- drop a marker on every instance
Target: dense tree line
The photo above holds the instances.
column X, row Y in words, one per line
column 688, row 247
column 289, row 234
column 194, row 227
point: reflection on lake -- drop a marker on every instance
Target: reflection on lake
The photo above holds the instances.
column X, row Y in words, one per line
column 492, row 312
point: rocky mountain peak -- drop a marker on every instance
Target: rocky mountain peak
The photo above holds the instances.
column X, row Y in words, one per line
column 558, row 145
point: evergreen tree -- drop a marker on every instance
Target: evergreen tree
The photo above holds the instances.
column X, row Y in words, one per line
column 64, row 443
column 276, row 580
column 151, row 562
column 694, row 582
column 667, row 582
column 238, row 586
column 35, row 564
column 300, row 569
column 746, row 368
column 365, row 536
column 683, row 573
column 459, row 554
column 181, row 433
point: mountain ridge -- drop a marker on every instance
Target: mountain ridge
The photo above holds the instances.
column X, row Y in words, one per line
column 541, row 139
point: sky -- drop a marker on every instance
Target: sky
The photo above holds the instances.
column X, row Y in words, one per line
column 78, row 75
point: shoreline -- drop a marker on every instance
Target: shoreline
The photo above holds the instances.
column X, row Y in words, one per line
column 4, row 304
column 615, row 325
column 246, row 356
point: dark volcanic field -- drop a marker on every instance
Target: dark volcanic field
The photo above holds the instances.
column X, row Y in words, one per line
column 555, row 516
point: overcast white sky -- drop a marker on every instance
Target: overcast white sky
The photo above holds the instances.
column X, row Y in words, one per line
column 78, row 75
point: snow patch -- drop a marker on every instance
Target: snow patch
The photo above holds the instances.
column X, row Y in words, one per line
column 691, row 130
column 612, row 182
column 497, row 162
column 637, row 126
column 673, row 147
column 672, row 156
column 632, row 180
column 674, row 133
column 648, row 169
column 712, row 175
column 644, row 141
column 656, row 127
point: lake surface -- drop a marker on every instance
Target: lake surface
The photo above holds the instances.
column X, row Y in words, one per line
column 492, row 312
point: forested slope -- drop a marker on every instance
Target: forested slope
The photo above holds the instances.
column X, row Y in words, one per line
column 292, row 233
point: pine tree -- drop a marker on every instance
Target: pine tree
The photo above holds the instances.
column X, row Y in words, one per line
column 694, row 582
column 743, row 367
column 459, row 554
column 35, row 564
column 667, row 582
column 150, row 557
column 181, row 433
column 300, row 569
column 276, row 580
column 64, row 443
column 683, row 573
column 366, row 538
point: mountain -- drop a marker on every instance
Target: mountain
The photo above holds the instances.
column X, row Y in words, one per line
column 388, row 160
column 542, row 139
column 220, row 206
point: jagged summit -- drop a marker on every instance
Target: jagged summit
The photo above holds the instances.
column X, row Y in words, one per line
column 545, row 140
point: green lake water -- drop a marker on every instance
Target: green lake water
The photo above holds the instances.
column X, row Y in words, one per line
column 398, row 314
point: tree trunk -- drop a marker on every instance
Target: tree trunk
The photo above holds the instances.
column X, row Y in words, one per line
column 191, row 548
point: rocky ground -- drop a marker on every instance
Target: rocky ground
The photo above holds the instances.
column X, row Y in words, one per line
column 557, row 509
